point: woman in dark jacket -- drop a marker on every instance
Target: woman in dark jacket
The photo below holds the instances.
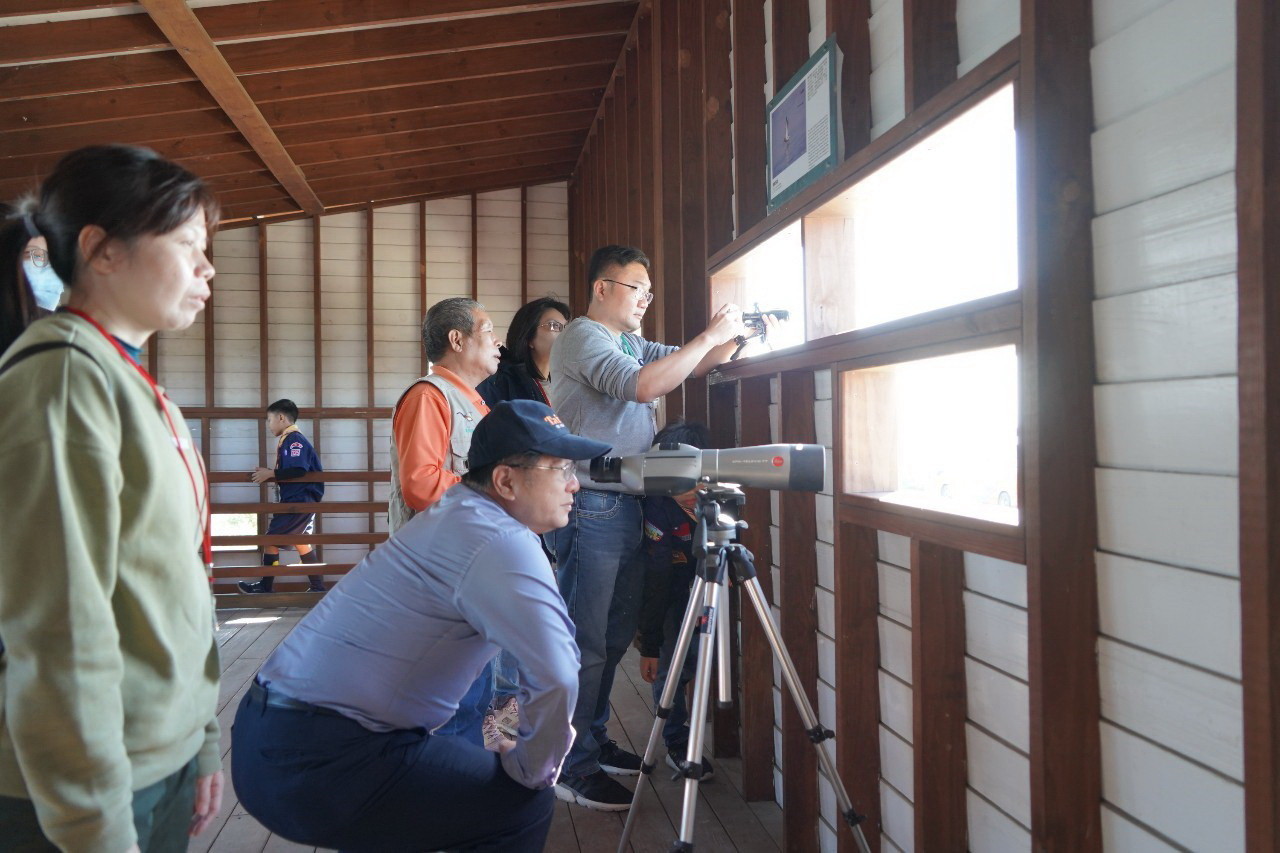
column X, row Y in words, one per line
column 522, row 374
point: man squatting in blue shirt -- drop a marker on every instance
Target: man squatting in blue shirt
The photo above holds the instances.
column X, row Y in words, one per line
column 332, row 741
column 294, row 457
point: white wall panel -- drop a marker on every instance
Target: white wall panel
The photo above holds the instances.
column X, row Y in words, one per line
column 993, row 831
column 888, row 75
column 982, row 28
column 1186, row 615
column 1167, row 332
column 1000, row 774
column 1194, row 713
column 1189, row 426
column 1181, row 140
column 1193, row 806
column 1174, row 47
column 1180, row 519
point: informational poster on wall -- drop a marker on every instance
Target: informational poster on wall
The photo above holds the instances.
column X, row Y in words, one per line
column 804, row 128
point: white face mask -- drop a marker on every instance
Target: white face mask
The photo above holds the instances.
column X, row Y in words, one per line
column 45, row 284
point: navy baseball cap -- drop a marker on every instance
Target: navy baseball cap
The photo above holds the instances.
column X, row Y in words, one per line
column 517, row 426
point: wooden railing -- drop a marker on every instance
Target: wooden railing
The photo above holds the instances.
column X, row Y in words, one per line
column 290, row 592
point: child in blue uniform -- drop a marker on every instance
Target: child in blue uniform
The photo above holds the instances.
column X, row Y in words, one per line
column 294, row 457
column 669, row 525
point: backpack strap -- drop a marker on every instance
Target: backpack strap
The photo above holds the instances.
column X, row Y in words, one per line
column 36, row 349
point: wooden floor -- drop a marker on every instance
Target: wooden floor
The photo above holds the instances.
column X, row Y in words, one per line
column 724, row 821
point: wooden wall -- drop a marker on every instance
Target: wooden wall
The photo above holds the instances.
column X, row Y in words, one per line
column 1165, row 325
column 328, row 311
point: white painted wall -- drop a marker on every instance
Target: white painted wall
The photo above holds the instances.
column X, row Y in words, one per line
column 1165, row 331
column 399, row 247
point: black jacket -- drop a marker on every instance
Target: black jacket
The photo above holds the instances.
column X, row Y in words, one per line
column 668, row 569
column 512, row 382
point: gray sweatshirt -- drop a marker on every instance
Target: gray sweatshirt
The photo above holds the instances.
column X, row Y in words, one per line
column 593, row 389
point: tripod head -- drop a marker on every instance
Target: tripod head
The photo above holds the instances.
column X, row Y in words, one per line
column 718, row 522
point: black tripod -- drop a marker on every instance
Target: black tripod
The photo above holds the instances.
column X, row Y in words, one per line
column 721, row 558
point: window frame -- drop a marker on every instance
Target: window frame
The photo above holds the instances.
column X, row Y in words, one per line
column 978, row 324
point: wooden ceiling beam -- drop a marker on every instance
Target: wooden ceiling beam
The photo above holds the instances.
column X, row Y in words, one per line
column 208, row 151
column 372, row 181
column 245, row 215
column 119, row 105
column 387, row 163
column 416, row 39
column 282, row 48
column 183, row 30
column 453, row 92
column 437, row 67
column 9, row 8
column 138, row 131
column 253, row 195
column 81, row 76
column 338, row 131
column 455, row 185
column 75, row 76
column 241, row 181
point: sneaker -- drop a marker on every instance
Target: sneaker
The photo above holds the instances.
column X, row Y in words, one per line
column 506, row 715
column 316, row 587
column 596, row 791
column 494, row 737
column 675, row 756
column 255, row 587
column 616, row 760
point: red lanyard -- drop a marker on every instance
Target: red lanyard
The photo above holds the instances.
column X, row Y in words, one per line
column 203, row 507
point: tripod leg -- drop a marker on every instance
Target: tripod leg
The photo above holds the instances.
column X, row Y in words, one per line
column 817, row 733
column 692, row 768
column 724, row 661
column 692, row 613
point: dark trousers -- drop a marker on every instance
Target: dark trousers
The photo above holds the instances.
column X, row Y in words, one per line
column 161, row 816
column 319, row 778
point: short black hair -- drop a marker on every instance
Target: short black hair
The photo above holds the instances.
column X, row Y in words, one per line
column 612, row 256
column 284, row 407
column 455, row 313
column 681, row 431
column 482, row 477
column 524, row 326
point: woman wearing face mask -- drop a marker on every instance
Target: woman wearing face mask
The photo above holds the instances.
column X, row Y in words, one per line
column 109, row 675
column 21, row 304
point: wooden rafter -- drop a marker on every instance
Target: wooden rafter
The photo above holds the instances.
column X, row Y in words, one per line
column 184, row 31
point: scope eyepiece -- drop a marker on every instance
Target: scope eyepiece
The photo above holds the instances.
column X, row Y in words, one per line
column 606, row 469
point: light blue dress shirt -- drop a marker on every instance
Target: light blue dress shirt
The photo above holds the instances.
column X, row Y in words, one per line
column 397, row 643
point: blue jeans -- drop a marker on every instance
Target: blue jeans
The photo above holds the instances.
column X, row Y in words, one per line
column 468, row 721
column 323, row 780
column 599, row 572
column 675, row 730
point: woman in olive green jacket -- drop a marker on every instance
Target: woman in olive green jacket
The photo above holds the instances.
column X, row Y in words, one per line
column 109, row 668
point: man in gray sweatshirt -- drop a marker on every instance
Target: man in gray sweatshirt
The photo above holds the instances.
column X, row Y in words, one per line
column 605, row 384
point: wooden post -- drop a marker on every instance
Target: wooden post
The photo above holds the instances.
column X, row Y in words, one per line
column 857, row 595
column 790, row 39
column 1055, row 214
column 848, row 21
column 1258, row 223
column 693, row 206
column 756, row 688
column 717, row 129
column 938, row 697
column 748, row 112
column 931, row 50
column 798, row 604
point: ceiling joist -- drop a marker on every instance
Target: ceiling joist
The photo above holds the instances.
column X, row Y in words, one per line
column 186, row 34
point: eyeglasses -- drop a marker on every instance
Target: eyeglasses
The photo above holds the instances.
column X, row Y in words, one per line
column 643, row 295
column 568, row 470
column 553, row 325
column 39, row 257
